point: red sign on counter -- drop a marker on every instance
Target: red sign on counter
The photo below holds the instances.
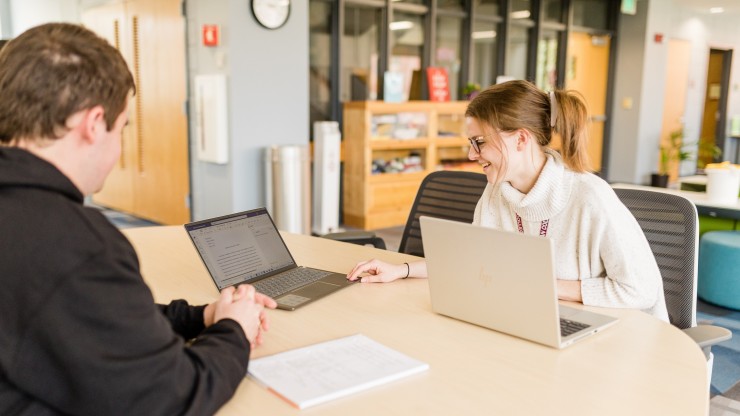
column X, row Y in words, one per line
column 439, row 86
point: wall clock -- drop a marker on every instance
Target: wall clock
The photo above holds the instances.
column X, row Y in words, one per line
column 271, row 14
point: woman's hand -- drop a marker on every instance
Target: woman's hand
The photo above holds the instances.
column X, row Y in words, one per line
column 378, row 271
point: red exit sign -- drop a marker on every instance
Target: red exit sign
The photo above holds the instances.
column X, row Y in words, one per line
column 210, row 35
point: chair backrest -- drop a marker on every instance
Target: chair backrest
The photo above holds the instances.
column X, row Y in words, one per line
column 443, row 194
column 670, row 223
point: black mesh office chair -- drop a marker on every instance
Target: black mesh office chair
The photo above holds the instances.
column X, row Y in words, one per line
column 670, row 223
column 444, row 194
column 362, row 238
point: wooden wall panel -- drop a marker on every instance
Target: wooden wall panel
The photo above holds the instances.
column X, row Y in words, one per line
column 109, row 21
column 152, row 178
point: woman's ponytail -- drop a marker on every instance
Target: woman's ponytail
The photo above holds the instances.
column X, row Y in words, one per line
column 568, row 118
column 521, row 105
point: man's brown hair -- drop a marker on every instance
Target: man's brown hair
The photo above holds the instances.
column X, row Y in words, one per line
column 51, row 72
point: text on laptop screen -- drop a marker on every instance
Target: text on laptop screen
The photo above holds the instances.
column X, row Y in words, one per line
column 241, row 248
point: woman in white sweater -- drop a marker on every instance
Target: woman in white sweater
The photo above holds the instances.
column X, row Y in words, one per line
column 602, row 256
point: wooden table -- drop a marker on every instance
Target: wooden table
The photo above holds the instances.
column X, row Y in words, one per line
column 703, row 205
column 641, row 366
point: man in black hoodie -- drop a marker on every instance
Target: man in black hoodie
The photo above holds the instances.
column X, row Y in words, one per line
column 79, row 330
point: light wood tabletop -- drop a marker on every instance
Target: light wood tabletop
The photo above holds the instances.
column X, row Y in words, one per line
column 704, row 205
column 640, row 366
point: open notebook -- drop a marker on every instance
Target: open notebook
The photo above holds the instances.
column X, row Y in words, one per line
column 315, row 374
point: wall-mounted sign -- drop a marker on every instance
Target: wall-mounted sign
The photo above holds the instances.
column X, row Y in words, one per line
column 210, row 35
column 714, row 91
column 629, row 6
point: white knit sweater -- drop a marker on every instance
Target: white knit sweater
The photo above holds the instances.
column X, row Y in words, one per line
column 596, row 239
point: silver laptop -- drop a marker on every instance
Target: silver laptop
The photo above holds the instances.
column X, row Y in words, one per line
column 246, row 247
column 503, row 281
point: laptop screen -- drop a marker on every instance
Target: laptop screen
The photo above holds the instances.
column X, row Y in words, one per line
column 241, row 247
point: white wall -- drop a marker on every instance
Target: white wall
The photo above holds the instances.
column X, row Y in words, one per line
column 640, row 75
column 25, row 14
column 5, row 25
column 653, row 89
column 707, row 31
column 628, row 83
column 267, row 73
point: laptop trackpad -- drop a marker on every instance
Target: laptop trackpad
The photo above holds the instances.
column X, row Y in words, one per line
column 315, row 290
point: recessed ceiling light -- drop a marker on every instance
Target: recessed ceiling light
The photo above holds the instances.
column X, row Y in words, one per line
column 717, row 10
column 485, row 34
column 402, row 25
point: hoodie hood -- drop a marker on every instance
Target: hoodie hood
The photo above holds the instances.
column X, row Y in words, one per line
column 22, row 169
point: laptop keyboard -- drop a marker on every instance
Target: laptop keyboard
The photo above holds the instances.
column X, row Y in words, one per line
column 289, row 280
column 570, row 327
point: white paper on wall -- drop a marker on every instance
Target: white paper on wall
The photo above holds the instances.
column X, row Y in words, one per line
column 211, row 123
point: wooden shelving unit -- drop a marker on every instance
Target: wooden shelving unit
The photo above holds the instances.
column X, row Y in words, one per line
column 430, row 130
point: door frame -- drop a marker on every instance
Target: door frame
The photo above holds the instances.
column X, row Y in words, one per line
column 720, row 129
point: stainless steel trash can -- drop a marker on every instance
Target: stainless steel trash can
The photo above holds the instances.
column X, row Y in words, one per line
column 288, row 187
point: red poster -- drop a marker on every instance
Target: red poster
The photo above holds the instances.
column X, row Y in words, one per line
column 439, row 86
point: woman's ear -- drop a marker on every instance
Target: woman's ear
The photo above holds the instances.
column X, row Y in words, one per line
column 522, row 139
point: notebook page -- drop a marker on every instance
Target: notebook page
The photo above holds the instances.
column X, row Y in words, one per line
column 318, row 373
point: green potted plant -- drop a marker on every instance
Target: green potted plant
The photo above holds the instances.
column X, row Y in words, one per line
column 707, row 151
column 673, row 153
column 470, row 90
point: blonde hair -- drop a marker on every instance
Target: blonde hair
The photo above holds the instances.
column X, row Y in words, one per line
column 520, row 104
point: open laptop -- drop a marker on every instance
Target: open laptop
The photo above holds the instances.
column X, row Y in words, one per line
column 501, row 280
column 246, row 247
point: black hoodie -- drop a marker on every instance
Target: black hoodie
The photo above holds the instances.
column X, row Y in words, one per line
column 79, row 330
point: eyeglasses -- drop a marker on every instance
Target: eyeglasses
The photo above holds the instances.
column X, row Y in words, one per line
column 476, row 142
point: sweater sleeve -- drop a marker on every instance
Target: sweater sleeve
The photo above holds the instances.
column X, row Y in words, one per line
column 630, row 277
column 186, row 320
column 98, row 344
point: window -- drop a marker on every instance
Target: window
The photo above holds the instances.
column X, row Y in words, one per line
column 487, row 7
column 516, row 53
column 407, row 37
column 590, row 13
column 552, row 11
column 484, row 51
column 320, row 60
column 447, row 55
column 378, row 36
column 521, row 9
column 547, row 58
column 359, row 57
column 451, row 5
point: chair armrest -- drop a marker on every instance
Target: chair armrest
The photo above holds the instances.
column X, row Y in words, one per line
column 708, row 335
column 357, row 237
